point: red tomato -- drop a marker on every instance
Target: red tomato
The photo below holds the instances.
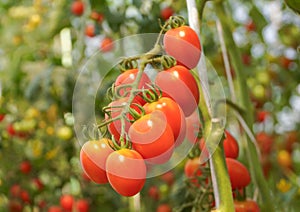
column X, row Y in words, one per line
column 93, row 155
column 168, row 178
column 153, row 192
column 90, row 30
column 2, row 116
column 164, row 208
column 246, row 206
column 265, row 142
column 106, row 45
column 24, row 195
column 115, row 127
column 97, row 16
column 10, row 130
column 15, row 206
column 77, row 8
column 37, row 183
column 179, row 84
column 25, row 167
column 238, row 174
column 126, row 171
column 55, row 208
column 184, row 45
column 174, row 116
column 192, row 170
column 193, row 125
column 15, row 190
column 82, row 205
column 250, row 26
column 166, row 13
column 152, row 137
column 262, row 115
column 231, row 147
column 127, row 78
column 67, row 202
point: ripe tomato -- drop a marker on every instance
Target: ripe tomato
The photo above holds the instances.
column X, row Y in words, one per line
column 166, row 12
column 231, row 147
column 97, row 16
column 77, row 8
column 25, row 167
column 15, row 206
column 261, row 115
column 265, row 142
column 55, row 208
column 126, row 171
column 115, row 127
column 93, row 155
column 238, row 174
column 168, row 178
column 174, row 116
column 15, row 190
column 90, row 30
column 192, row 170
column 2, row 116
column 106, row 45
column 82, row 205
column 37, row 184
column 67, row 202
column 184, row 45
column 127, row 78
column 153, row 192
column 164, row 208
column 24, row 195
column 246, row 206
column 180, row 85
column 193, row 125
column 152, row 137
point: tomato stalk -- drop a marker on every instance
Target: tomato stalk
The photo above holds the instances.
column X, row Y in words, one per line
column 213, row 131
column 235, row 57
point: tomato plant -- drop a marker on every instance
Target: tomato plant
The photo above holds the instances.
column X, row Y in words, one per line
column 25, row 167
column 93, row 155
column 192, row 170
column 67, row 202
column 184, row 45
column 77, row 7
column 166, row 12
column 246, row 206
column 106, row 44
column 90, row 30
column 185, row 93
column 238, row 173
column 173, row 114
column 126, row 171
column 152, row 137
column 231, row 147
column 82, row 205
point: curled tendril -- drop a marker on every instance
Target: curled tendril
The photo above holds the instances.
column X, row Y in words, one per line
column 168, row 61
column 110, row 92
column 128, row 63
column 122, row 91
column 176, row 21
column 136, row 114
column 152, row 94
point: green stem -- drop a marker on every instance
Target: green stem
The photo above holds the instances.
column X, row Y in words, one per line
column 235, row 58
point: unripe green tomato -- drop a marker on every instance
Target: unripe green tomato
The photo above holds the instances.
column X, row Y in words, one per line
column 263, row 77
column 64, row 133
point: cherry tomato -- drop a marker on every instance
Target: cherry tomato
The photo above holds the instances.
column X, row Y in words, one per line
column 153, row 192
column 174, row 116
column 180, row 85
column 192, row 170
column 24, row 195
column 55, row 208
column 67, row 202
column 168, row 178
column 250, row 26
column 246, row 206
column 93, row 155
column 262, row 115
column 15, row 206
column 37, row 184
column 152, row 137
column 2, row 116
column 184, row 45
column 238, row 174
column 231, row 147
column 115, row 127
column 166, row 12
column 127, row 78
column 97, row 16
column 25, row 167
column 77, row 8
column 126, row 171
column 106, row 45
column 284, row 159
column 15, row 190
column 82, row 205
column 164, row 208
column 90, row 30
column 193, row 125
column 265, row 142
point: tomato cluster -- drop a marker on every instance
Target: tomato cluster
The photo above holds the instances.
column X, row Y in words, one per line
column 147, row 119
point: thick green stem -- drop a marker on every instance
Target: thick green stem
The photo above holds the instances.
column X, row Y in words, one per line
column 244, row 99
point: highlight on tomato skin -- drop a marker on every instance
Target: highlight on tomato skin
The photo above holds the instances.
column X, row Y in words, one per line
column 152, row 137
column 126, row 171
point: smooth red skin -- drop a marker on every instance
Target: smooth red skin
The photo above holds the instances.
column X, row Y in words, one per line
column 193, row 125
column 2, row 116
column 231, row 147
column 173, row 114
column 153, row 192
column 261, row 115
column 180, row 85
column 15, row 190
column 55, row 209
column 77, row 8
column 24, row 195
column 164, row 208
column 114, row 127
column 128, row 77
column 246, row 206
column 25, row 167
column 160, row 149
column 67, row 202
column 192, row 169
column 10, row 130
column 15, row 206
column 106, row 45
column 265, row 142
column 38, row 183
column 90, row 30
column 184, row 45
column 168, row 178
column 82, row 205
column 97, row 16
column 126, row 171
column 93, row 156
column 166, row 13
column 238, row 174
